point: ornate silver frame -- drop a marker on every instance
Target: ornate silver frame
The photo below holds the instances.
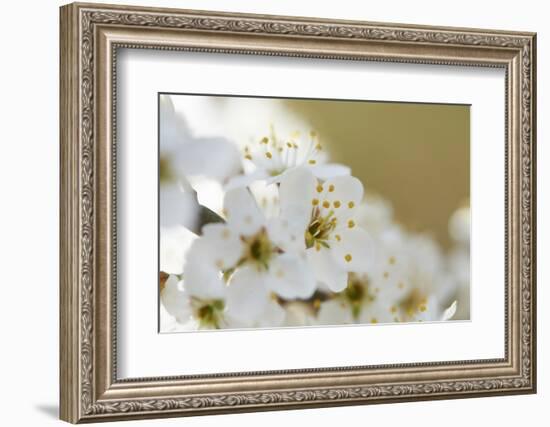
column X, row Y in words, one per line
column 90, row 36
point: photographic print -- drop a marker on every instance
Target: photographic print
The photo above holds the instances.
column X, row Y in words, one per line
column 303, row 183
column 277, row 212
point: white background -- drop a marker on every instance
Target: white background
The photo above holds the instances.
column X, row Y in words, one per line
column 296, row 348
column 29, row 171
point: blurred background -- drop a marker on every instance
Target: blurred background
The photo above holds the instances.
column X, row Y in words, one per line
column 416, row 155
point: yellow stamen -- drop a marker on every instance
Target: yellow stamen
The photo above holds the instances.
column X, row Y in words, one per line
column 248, row 156
column 374, row 320
column 422, row 308
column 337, row 204
column 268, row 155
column 351, row 205
column 338, row 237
column 392, row 260
column 348, row 257
column 265, row 140
column 312, row 162
column 326, row 204
column 351, row 223
column 393, row 309
column 315, row 202
column 331, row 188
column 319, row 188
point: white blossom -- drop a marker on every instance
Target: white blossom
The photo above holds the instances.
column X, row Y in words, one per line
column 195, row 308
column 325, row 212
column 271, row 157
column 253, row 255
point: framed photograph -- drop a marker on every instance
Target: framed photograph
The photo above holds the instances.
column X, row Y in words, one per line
column 266, row 212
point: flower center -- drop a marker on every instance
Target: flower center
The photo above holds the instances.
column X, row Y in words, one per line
column 208, row 312
column 258, row 250
column 319, row 229
column 357, row 293
column 414, row 303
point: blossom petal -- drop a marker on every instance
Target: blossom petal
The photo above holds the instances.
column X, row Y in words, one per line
column 242, row 211
column 178, row 207
column 210, row 193
column 290, row 277
column 296, row 192
column 329, row 170
column 347, row 190
column 225, row 245
column 175, row 300
column 174, row 243
column 202, row 276
column 334, row 312
column 247, row 296
column 216, row 158
column 172, row 127
column 327, row 270
column 273, row 316
column 353, row 250
column 377, row 312
column 449, row 311
column 286, row 235
column 245, row 180
column 298, row 313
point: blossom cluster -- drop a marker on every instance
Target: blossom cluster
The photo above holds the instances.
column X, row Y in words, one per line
column 270, row 233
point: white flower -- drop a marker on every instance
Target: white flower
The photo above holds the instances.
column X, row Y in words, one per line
column 325, row 215
column 358, row 303
column 183, row 155
column 189, row 165
column 271, row 158
column 255, row 256
column 375, row 215
column 195, row 308
column 423, row 283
